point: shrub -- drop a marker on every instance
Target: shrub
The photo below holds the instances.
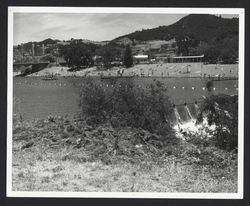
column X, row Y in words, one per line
column 222, row 110
column 125, row 104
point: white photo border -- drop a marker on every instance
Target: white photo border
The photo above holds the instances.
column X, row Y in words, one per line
column 239, row 11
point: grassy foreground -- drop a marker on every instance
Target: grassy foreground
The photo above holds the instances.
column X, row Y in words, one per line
column 61, row 155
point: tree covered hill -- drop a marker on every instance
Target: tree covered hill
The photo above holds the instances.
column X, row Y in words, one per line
column 202, row 27
column 197, row 34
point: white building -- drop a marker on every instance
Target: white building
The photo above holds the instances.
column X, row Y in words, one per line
column 141, row 59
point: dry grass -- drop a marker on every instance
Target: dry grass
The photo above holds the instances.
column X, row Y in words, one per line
column 41, row 162
column 52, row 174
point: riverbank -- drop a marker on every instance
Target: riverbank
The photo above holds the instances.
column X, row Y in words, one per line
column 57, row 154
column 151, row 70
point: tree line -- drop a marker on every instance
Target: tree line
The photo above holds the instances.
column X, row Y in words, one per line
column 80, row 55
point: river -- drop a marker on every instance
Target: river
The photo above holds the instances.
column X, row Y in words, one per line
column 36, row 98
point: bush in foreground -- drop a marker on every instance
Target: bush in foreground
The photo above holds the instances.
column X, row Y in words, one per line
column 222, row 110
column 125, row 104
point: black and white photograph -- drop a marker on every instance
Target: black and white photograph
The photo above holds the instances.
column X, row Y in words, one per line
column 125, row 102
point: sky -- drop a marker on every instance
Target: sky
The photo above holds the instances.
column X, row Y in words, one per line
column 93, row 26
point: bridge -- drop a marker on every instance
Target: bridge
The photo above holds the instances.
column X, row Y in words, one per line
column 30, row 63
column 29, row 67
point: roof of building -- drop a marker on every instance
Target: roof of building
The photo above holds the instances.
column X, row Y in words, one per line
column 188, row 57
column 141, row 56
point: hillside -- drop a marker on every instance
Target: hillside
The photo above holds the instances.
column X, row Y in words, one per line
column 197, row 34
column 27, row 46
column 203, row 27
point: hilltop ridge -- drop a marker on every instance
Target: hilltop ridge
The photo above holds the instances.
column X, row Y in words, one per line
column 203, row 27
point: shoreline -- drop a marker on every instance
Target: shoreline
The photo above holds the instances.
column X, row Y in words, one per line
column 169, row 70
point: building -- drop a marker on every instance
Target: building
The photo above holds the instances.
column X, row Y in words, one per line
column 178, row 59
column 190, row 59
column 141, row 59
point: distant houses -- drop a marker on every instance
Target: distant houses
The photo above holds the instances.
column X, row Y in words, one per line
column 141, row 59
column 144, row 59
column 163, row 58
column 190, row 59
column 143, row 52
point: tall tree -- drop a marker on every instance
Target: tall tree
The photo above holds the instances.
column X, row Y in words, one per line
column 128, row 59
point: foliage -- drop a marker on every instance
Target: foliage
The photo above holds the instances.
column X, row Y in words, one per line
column 108, row 53
column 50, row 50
column 222, row 110
column 78, row 54
column 48, row 41
column 225, row 51
column 127, row 105
column 213, row 36
column 128, row 59
column 67, row 150
column 202, row 27
column 48, row 58
column 184, row 44
column 64, row 148
column 212, row 55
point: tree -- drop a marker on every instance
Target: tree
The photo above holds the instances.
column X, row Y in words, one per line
column 108, row 53
column 48, row 58
column 212, row 55
column 128, row 59
column 228, row 56
column 78, row 54
column 49, row 50
column 185, row 43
